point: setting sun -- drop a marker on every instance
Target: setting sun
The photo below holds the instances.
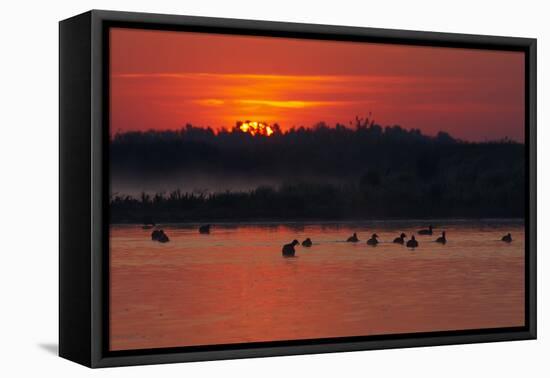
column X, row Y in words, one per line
column 255, row 128
column 475, row 94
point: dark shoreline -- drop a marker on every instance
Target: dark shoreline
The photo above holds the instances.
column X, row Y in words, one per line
column 361, row 172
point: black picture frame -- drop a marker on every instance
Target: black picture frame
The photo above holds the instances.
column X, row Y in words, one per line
column 84, row 187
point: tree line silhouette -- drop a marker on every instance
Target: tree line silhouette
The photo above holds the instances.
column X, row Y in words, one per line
column 361, row 171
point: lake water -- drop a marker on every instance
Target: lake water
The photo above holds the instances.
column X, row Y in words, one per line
column 233, row 285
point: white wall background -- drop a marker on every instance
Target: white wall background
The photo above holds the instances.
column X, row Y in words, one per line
column 29, row 189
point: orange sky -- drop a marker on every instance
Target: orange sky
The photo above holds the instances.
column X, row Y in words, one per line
column 163, row 80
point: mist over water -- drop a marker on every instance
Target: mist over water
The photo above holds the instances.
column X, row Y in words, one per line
column 313, row 173
column 205, row 183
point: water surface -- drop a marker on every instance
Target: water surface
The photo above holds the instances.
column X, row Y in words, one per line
column 233, row 285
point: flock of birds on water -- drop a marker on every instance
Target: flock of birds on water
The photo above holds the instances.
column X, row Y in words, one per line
column 289, row 249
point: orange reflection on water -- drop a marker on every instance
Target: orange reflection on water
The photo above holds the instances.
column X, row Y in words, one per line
column 233, row 286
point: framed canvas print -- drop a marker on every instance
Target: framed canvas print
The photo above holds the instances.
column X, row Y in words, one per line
column 234, row 188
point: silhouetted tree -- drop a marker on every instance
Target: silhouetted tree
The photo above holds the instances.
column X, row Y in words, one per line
column 320, row 172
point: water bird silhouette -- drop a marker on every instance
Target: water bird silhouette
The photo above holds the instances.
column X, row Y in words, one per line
column 307, row 243
column 507, row 238
column 442, row 239
column 288, row 249
column 204, row 229
column 353, row 238
column 400, row 239
column 373, row 240
column 160, row 236
column 429, row 231
column 412, row 243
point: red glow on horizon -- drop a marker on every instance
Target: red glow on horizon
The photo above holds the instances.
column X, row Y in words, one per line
column 162, row 80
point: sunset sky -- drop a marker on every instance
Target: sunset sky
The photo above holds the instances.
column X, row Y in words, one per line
column 162, row 80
